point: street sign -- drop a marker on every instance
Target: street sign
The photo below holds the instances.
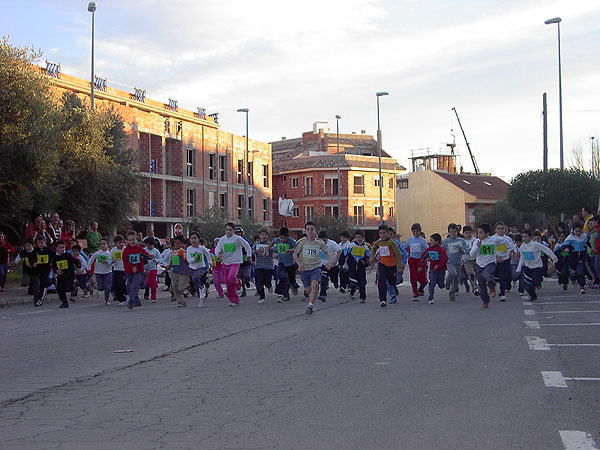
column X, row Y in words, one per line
column 178, row 229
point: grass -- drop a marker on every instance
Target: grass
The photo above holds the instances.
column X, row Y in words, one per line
column 13, row 277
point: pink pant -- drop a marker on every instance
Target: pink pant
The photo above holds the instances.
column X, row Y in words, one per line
column 152, row 283
column 232, row 282
column 218, row 280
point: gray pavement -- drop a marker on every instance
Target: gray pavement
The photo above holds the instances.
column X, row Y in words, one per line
column 352, row 376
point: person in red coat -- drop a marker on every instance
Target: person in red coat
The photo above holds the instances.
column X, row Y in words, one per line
column 5, row 251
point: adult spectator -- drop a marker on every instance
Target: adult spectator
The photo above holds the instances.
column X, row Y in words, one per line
column 586, row 213
column 157, row 243
column 38, row 227
column 54, row 228
column 68, row 234
column 93, row 238
column 5, row 251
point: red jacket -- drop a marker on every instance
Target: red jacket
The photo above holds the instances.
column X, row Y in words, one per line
column 5, row 250
column 437, row 257
column 132, row 257
column 597, row 241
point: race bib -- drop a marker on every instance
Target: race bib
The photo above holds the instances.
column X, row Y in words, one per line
column 27, row 262
column 415, row 248
column 262, row 247
column 453, row 248
column 501, row 248
column 564, row 253
column 118, row 256
column 102, row 259
column 43, row 259
column 134, row 258
column 282, row 248
column 433, row 255
column 175, row 260
column 487, row 249
column 528, row 256
column 384, row 250
column 229, row 248
column 358, row 251
column 63, row 264
column 197, row 257
column 311, row 252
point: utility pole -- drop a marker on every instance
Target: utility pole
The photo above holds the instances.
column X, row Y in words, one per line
column 545, row 126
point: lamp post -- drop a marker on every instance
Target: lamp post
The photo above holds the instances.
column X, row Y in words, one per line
column 380, row 94
column 557, row 21
column 337, row 119
column 92, row 9
column 246, row 194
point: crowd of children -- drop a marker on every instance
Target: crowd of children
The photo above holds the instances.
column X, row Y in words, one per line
column 486, row 264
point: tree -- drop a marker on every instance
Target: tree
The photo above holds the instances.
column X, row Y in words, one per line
column 334, row 225
column 211, row 224
column 553, row 192
column 502, row 211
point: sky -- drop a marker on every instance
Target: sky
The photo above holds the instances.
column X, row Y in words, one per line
column 294, row 63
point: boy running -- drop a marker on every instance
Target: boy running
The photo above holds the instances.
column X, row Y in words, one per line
column 103, row 269
column 455, row 247
column 530, row 262
column 64, row 265
column 437, row 257
column 390, row 261
column 263, row 258
column 133, row 262
column 415, row 246
column 358, row 255
column 118, row 279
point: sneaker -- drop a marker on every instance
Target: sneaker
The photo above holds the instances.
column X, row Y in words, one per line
column 186, row 292
column 261, row 301
column 342, row 290
column 182, row 304
column 129, row 305
column 492, row 293
column 271, row 289
column 447, row 285
column 582, row 291
column 476, row 293
column 502, row 298
column 564, row 287
column 85, row 296
column 431, row 302
column 74, row 299
column 122, row 303
column 468, row 289
column 243, row 294
column 256, row 294
column 201, row 303
column 286, row 299
column 106, row 302
column 306, row 294
column 363, row 300
column 421, row 294
column 153, row 301
column 352, row 296
column 64, row 305
column 392, row 301
column 486, row 305
column 452, row 298
column 415, row 297
column 383, row 304
column 309, row 310
column 279, row 299
column 323, row 299
column 522, row 294
column 294, row 291
column 233, row 305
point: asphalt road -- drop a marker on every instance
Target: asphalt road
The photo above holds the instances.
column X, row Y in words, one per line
column 351, row 376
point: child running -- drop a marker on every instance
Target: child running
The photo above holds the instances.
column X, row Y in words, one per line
column 437, row 257
column 503, row 274
column 133, row 262
column 44, row 256
column 415, row 246
column 119, row 286
column 197, row 256
column 390, row 261
column 263, row 257
column 307, row 256
column 530, row 262
column 575, row 245
column 469, row 264
column 285, row 271
column 151, row 270
column 358, row 255
column 103, row 269
column 455, row 247
column 180, row 271
column 229, row 249
column 64, row 265
column 217, row 271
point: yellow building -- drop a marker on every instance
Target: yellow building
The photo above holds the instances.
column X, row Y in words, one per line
column 436, row 198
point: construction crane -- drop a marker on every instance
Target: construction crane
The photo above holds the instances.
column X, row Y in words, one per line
column 468, row 146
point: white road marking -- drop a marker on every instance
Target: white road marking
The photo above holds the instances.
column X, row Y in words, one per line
column 574, row 345
column 536, row 343
column 554, row 379
column 577, row 440
column 382, row 363
column 532, row 324
column 569, row 312
column 529, row 312
column 593, row 324
column 35, row 312
column 563, row 303
column 527, row 303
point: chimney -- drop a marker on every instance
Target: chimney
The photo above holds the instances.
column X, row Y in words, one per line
column 363, row 131
column 354, row 132
column 283, row 138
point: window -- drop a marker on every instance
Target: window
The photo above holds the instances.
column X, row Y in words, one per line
column 330, row 211
column 295, row 212
column 212, row 170
column 359, row 215
column 191, row 202
column 223, row 201
column 391, row 183
column 294, row 182
column 377, row 211
column 359, row 184
column 391, row 211
column 223, row 167
column 240, row 206
column 265, row 175
column 240, row 171
column 250, row 173
column 377, row 181
column 471, row 215
column 265, row 209
column 309, row 213
column 191, row 162
column 211, row 198
column 331, row 186
column 250, row 206
column 308, row 186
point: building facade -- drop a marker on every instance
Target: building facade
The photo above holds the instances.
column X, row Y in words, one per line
column 305, row 170
column 188, row 164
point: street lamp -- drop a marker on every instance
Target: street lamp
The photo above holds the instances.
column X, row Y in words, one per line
column 557, row 21
column 245, row 110
column 92, row 9
column 337, row 119
column 380, row 94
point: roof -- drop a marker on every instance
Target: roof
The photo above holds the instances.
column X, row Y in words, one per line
column 328, row 160
column 480, row 186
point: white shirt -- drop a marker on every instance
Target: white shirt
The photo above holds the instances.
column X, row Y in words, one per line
column 467, row 255
column 202, row 254
column 332, row 248
column 531, row 255
column 230, row 249
column 104, row 267
column 116, row 256
column 503, row 250
column 485, row 250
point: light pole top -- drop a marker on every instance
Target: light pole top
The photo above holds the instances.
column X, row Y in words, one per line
column 379, row 94
column 554, row 20
column 92, row 6
column 337, row 116
column 245, row 110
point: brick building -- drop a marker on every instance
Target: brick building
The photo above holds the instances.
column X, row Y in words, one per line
column 305, row 170
column 187, row 162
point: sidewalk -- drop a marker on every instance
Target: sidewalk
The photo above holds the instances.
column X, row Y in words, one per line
column 15, row 295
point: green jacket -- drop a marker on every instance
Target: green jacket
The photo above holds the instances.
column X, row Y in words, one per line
column 93, row 241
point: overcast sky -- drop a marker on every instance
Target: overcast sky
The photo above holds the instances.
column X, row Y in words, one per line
column 293, row 63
